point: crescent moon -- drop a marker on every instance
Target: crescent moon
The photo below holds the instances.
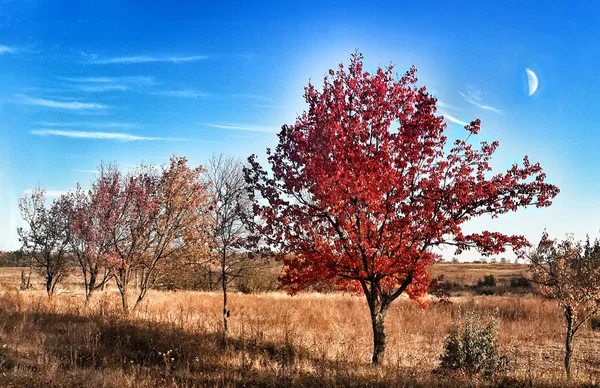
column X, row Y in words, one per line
column 532, row 81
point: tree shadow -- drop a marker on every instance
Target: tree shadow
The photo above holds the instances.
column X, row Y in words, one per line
column 162, row 354
column 166, row 351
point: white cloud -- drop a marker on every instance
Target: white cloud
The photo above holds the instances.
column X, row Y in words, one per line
column 182, row 93
column 454, row 119
column 107, row 84
column 474, row 97
column 110, row 80
column 97, row 135
column 91, row 124
column 243, row 127
column 100, row 88
column 6, row 49
column 66, row 105
column 250, row 96
column 147, row 59
column 442, row 104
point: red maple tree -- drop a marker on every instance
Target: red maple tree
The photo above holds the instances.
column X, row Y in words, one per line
column 363, row 188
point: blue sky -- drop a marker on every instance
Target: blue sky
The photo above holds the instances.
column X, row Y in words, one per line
column 85, row 82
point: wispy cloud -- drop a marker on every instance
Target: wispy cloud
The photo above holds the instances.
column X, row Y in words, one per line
column 100, row 88
column 243, row 127
column 65, row 105
column 442, row 104
column 474, row 97
column 147, row 59
column 111, row 80
column 107, row 84
column 7, row 49
column 250, row 96
column 98, row 135
column 182, row 93
column 91, row 124
column 454, row 119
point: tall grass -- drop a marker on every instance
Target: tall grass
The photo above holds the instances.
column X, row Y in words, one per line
column 311, row 339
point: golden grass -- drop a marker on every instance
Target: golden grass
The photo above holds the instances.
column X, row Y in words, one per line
column 467, row 274
column 174, row 340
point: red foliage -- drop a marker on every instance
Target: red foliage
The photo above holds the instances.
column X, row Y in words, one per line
column 363, row 187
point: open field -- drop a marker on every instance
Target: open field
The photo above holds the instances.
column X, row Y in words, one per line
column 174, row 340
column 463, row 275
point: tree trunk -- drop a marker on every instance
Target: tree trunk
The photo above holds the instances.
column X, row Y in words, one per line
column 378, row 310
column 377, row 321
column 23, row 286
column 143, row 290
column 124, row 301
column 49, row 285
column 225, row 309
column 569, row 341
column 29, row 277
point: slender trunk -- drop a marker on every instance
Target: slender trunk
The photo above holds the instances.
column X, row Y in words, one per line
column 49, row 285
column 28, row 285
column 124, row 301
column 88, row 296
column 569, row 341
column 225, row 309
column 91, row 286
column 23, row 286
column 142, row 294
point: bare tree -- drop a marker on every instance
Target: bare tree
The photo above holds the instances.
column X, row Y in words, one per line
column 47, row 238
column 232, row 235
column 570, row 273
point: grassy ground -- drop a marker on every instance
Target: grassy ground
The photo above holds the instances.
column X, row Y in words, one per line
column 174, row 340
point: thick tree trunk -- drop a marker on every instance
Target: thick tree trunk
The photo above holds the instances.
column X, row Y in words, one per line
column 378, row 310
column 377, row 321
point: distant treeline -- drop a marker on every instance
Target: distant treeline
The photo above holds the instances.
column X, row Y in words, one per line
column 14, row 259
column 197, row 277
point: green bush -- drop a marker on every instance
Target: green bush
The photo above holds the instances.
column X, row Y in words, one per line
column 472, row 346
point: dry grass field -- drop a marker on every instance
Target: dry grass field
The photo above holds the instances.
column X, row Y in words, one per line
column 174, row 339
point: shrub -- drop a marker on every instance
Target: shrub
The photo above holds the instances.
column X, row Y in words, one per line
column 472, row 346
column 488, row 281
column 595, row 323
column 520, row 282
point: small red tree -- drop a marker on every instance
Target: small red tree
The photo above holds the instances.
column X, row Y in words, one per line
column 363, row 188
column 88, row 243
column 151, row 218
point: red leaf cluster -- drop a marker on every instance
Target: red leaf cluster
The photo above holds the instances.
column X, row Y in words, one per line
column 363, row 186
